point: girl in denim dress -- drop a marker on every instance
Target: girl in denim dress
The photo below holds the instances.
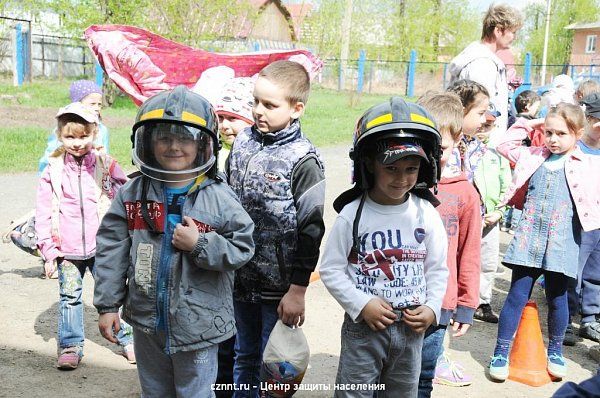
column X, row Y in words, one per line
column 557, row 196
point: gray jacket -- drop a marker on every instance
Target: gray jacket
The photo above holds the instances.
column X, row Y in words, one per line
column 200, row 304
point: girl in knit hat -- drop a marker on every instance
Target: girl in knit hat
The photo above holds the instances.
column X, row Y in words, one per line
column 89, row 94
column 234, row 110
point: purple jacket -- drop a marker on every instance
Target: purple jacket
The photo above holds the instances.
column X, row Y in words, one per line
column 581, row 171
column 74, row 195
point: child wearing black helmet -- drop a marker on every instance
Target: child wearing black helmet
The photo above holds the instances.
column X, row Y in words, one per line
column 169, row 245
column 385, row 259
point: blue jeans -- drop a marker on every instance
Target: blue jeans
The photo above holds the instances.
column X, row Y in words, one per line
column 389, row 357
column 70, row 305
column 254, row 322
column 433, row 346
column 183, row 374
column 585, row 291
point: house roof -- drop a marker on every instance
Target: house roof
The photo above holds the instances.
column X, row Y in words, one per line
column 583, row 25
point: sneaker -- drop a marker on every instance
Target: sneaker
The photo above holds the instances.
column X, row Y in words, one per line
column 590, row 331
column 511, row 231
column 451, row 373
column 557, row 366
column 504, row 228
column 129, row 354
column 69, row 358
column 595, row 353
column 484, row 313
column 499, row 368
column 570, row 336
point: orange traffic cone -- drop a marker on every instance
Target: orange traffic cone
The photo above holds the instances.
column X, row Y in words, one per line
column 528, row 361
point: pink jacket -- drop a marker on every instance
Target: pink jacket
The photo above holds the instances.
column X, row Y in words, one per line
column 581, row 171
column 70, row 202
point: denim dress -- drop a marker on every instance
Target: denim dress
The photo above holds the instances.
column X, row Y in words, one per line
column 549, row 232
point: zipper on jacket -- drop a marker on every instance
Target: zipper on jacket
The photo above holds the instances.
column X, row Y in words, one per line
column 81, row 208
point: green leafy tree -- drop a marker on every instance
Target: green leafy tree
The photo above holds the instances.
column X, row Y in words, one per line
column 560, row 40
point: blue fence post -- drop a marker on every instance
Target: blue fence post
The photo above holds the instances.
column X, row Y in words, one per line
column 527, row 71
column 362, row 56
column 256, row 46
column 410, row 90
column 572, row 68
column 99, row 75
column 591, row 70
column 19, row 61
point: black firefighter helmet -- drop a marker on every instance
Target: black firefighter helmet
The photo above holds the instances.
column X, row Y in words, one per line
column 177, row 118
column 405, row 122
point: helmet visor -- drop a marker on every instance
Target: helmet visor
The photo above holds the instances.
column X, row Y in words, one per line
column 172, row 152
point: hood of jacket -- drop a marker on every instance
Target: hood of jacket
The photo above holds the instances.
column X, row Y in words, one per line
column 472, row 52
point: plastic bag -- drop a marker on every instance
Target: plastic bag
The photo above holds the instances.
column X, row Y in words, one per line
column 284, row 362
column 22, row 233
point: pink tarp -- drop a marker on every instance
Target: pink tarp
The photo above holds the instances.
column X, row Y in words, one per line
column 142, row 63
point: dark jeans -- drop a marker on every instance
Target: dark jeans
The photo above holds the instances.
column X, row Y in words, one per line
column 254, row 322
column 521, row 285
column 433, row 346
column 225, row 372
column 584, row 293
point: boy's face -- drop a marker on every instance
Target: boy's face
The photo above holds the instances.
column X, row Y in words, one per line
column 393, row 181
column 533, row 109
column 272, row 112
column 77, row 141
column 229, row 128
column 448, row 145
column 592, row 127
column 174, row 152
column 475, row 118
column 93, row 101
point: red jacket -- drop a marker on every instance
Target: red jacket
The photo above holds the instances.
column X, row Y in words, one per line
column 461, row 213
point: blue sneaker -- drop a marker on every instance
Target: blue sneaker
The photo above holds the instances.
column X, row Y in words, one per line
column 557, row 366
column 499, row 367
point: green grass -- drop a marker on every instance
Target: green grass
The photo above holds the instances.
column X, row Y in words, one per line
column 329, row 120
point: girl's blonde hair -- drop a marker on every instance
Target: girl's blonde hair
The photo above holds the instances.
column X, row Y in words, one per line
column 572, row 115
column 73, row 124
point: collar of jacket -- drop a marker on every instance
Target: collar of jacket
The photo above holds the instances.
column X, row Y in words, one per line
column 281, row 137
column 87, row 161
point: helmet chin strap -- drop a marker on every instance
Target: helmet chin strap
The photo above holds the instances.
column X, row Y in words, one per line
column 355, row 238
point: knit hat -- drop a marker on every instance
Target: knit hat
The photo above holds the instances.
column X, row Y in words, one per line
column 82, row 88
column 237, row 99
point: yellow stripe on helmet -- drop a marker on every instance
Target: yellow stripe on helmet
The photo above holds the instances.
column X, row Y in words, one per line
column 379, row 120
column 190, row 117
column 421, row 119
column 153, row 114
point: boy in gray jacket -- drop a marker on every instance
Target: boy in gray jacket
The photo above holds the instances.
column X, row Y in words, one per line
column 168, row 248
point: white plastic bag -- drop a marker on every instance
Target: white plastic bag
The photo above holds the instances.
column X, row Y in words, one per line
column 284, row 362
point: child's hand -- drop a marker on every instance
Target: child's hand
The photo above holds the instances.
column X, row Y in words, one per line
column 50, row 267
column 491, row 218
column 419, row 319
column 378, row 314
column 459, row 329
column 535, row 123
column 185, row 235
column 291, row 306
column 109, row 326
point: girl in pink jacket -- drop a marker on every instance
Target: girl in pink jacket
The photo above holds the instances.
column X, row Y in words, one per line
column 556, row 188
column 73, row 193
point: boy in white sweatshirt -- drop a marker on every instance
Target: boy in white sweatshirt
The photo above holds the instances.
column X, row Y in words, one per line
column 385, row 259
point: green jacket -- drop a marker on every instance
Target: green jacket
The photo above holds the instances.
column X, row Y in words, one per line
column 492, row 178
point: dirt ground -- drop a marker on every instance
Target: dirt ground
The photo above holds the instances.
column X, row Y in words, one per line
column 28, row 310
